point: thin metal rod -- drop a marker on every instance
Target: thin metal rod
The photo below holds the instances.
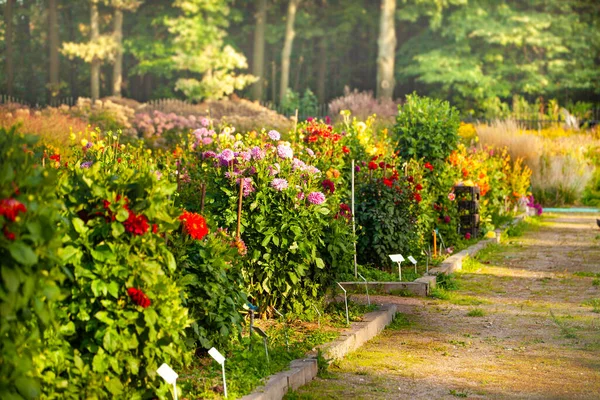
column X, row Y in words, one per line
column 354, row 225
column 224, row 380
column 345, row 302
column 366, row 288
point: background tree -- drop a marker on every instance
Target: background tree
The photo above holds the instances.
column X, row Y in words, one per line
column 54, row 44
column 9, row 62
column 287, row 47
column 120, row 6
column 258, row 57
column 386, row 45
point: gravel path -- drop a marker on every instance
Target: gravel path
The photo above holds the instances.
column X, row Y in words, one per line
column 524, row 324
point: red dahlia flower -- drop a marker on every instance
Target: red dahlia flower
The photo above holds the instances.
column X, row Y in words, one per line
column 139, row 297
column 467, row 236
column 9, row 235
column 447, row 219
column 328, row 186
column 10, row 208
column 429, row 166
column 410, row 179
column 136, row 224
column 345, row 150
column 194, row 224
column 419, row 186
column 387, row 182
column 55, row 157
column 372, row 165
column 418, row 197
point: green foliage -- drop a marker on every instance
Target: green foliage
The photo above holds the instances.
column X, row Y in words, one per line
column 108, row 341
column 30, row 271
column 426, row 128
column 210, row 273
column 476, row 312
column 386, row 216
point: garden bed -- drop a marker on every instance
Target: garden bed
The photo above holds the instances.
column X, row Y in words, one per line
column 246, row 361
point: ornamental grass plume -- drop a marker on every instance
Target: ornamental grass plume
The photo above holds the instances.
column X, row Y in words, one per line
column 139, row 297
column 316, row 198
column 194, row 225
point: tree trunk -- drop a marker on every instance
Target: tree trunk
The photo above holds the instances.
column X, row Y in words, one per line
column 387, row 50
column 322, row 69
column 95, row 67
column 117, row 79
column 54, row 86
column 24, row 51
column 258, row 57
column 287, row 48
column 8, row 23
column 73, row 65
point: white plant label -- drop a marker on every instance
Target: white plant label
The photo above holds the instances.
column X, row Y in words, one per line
column 214, row 353
column 412, row 260
column 167, row 374
column 396, row 257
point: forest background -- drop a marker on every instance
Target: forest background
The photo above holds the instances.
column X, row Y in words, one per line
column 476, row 53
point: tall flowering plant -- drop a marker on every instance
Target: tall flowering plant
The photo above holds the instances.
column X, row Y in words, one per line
column 30, row 272
column 287, row 221
column 122, row 301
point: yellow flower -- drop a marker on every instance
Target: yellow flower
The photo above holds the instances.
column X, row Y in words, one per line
column 238, row 137
column 490, row 235
column 227, row 130
column 84, row 142
column 72, row 137
column 93, row 135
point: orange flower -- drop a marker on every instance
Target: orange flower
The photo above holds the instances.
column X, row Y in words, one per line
column 194, row 224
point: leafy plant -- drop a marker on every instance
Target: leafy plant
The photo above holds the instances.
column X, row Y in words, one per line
column 122, row 314
column 30, row 271
column 426, row 128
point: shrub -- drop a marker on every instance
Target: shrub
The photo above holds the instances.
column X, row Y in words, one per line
column 364, row 104
column 426, row 128
column 211, row 274
column 386, row 211
column 30, row 271
column 105, row 114
column 50, row 125
column 122, row 314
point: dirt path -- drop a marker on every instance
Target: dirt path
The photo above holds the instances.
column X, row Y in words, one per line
column 524, row 324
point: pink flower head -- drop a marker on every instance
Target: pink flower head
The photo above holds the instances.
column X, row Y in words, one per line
column 467, row 235
column 205, row 121
column 285, row 151
column 247, row 186
column 227, row 155
column 451, row 196
column 274, row 135
column 310, row 152
column 316, row 198
column 257, row 153
column 279, row 184
column 300, row 196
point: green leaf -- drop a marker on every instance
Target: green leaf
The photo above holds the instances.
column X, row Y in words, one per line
column 117, row 229
column 113, row 289
column 10, row 277
column 22, row 253
column 109, row 342
column 114, row 386
column 320, row 263
column 79, row 225
column 29, row 388
column 103, row 316
column 122, row 215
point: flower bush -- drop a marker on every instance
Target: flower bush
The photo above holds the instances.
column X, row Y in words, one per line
column 426, row 128
column 30, row 272
column 122, row 314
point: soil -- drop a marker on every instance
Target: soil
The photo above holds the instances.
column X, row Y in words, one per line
column 523, row 324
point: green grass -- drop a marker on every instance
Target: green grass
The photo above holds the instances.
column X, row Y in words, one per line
column 587, row 274
column 399, row 322
column 459, row 394
column 594, row 303
column 376, row 275
column 566, row 330
column 476, row 312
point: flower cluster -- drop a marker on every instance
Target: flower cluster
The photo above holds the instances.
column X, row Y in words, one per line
column 316, row 198
column 279, row 184
column 10, row 208
column 137, row 225
column 139, row 297
column 194, row 224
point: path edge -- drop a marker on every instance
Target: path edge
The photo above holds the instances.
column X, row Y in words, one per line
column 304, row 370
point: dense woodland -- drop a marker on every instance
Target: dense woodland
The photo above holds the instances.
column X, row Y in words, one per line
column 471, row 52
